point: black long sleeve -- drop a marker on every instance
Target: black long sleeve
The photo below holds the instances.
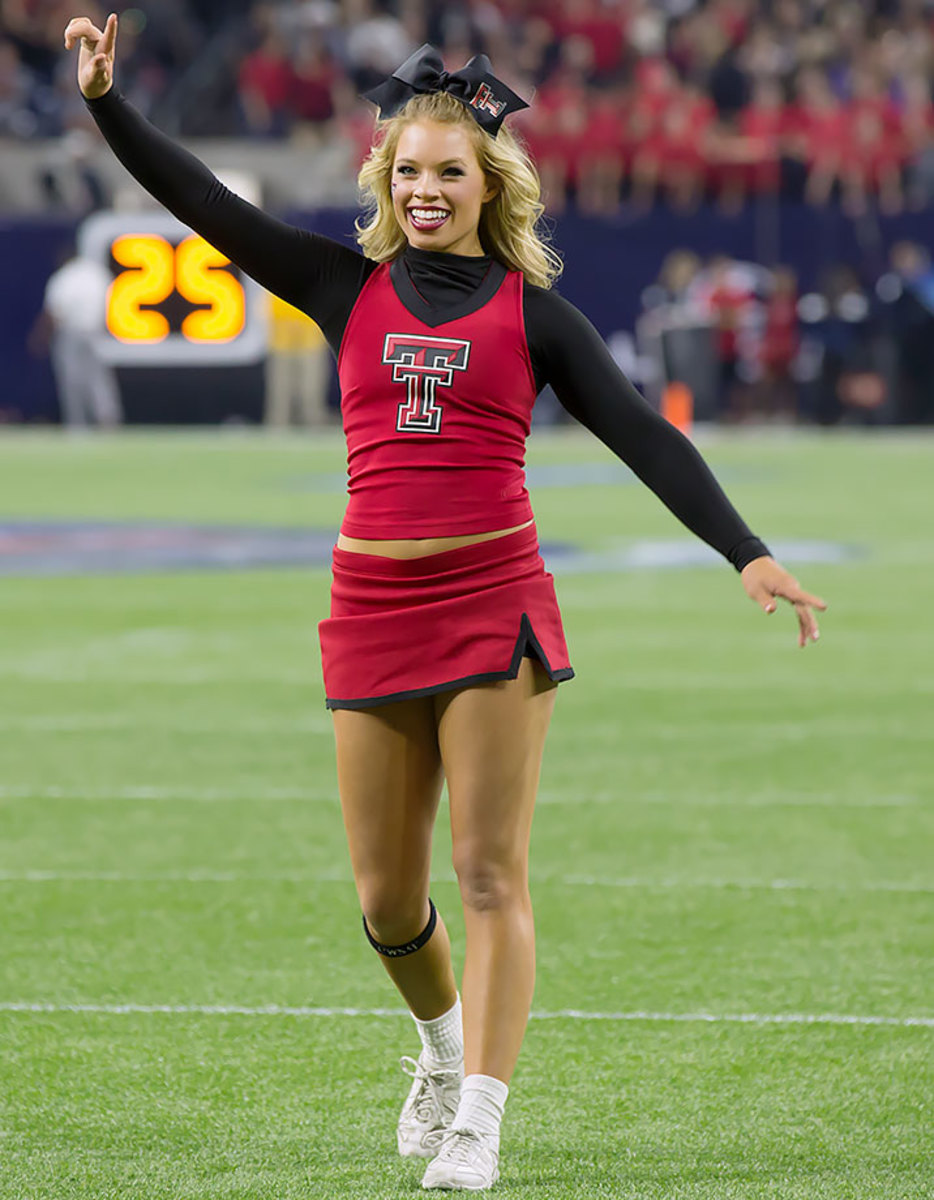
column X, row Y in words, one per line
column 570, row 354
column 315, row 273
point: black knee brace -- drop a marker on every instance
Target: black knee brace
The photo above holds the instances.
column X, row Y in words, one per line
column 407, row 947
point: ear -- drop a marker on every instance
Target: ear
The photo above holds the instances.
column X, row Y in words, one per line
column 492, row 189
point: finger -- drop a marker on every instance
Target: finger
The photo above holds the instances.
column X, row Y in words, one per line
column 110, row 35
column 814, row 601
column 797, row 596
column 807, row 625
column 81, row 28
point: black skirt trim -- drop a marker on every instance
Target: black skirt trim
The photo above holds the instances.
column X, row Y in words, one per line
column 525, row 641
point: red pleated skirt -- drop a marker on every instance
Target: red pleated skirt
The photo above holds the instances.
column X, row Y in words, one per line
column 412, row 627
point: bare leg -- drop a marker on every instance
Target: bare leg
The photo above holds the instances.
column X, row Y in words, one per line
column 491, row 738
column 390, row 776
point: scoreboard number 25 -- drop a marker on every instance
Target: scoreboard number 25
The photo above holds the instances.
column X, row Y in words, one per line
column 174, row 299
column 154, row 270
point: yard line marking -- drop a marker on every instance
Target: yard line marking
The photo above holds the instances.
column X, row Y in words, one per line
column 189, row 678
column 89, row 723
column 566, row 1014
column 635, row 882
column 261, row 794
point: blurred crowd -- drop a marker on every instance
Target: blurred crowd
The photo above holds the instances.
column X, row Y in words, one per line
column 634, row 100
column 748, row 345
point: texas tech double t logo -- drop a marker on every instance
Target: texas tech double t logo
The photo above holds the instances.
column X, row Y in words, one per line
column 421, row 363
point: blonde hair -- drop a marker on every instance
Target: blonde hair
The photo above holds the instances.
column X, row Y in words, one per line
column 508, row 221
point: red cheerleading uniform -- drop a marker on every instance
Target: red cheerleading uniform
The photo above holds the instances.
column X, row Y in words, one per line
column 436, row 419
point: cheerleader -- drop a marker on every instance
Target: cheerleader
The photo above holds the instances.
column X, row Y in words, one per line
column 444, row 645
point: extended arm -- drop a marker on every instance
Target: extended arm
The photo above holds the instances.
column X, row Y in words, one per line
column 569, row 353
column 316, row 274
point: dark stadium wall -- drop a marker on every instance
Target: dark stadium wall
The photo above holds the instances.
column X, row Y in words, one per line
column 608, row 263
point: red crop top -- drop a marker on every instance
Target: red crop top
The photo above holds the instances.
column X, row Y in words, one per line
column 436, row 416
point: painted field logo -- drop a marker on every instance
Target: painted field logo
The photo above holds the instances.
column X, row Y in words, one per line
column 421, row 363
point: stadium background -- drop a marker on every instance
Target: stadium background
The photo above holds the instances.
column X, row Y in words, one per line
column 794, row 137
column 731, row 862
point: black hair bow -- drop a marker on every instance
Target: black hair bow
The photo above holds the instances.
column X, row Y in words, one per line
column 475, row 85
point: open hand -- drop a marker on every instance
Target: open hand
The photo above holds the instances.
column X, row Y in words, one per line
column 764, row 579
column 96, row 57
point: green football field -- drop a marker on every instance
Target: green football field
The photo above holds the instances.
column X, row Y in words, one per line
column 732, row 862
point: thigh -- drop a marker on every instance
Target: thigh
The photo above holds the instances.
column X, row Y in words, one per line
column 389, row 776
column 492, row 737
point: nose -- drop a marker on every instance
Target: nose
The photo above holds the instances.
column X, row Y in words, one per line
column 426, row 186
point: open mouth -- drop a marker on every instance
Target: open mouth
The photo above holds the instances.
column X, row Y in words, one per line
column 428, row 218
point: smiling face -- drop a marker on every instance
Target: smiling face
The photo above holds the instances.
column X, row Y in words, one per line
column 438, row 188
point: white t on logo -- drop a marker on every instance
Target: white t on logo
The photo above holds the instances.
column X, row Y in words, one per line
column 421, row 363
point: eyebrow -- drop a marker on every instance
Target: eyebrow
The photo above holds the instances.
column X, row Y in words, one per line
column 448, row 162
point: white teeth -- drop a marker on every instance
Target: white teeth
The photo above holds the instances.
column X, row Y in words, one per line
column 428, row 214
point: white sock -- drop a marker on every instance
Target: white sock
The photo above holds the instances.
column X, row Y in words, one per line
column 443, row 1037
column 482, row 1102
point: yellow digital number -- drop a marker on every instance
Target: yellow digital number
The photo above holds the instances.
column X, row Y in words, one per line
column 201, row 280
column 150, row 279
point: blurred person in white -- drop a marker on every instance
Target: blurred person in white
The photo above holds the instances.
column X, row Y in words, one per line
column 74, row 306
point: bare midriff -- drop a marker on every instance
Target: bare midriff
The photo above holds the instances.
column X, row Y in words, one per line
column 419, row 547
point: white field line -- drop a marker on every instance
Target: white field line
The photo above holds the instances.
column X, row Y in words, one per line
column 106, row 723
column 644, row 799
column 634, row 882
column 566, row 1014
column 182, row 678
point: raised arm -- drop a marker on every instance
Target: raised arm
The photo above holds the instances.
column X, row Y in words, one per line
column 569, row 353
column 315, row 273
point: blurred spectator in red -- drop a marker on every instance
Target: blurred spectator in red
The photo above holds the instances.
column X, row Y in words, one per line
column 553, row 138
column 264, row 86
column 779, row 347
column 601, row 154
column 746, row 151
column 572, row 76
column 314, row 76
column 816, row 133
column 871, row 162
column 730, row 301
column 655, row 87
column 601, row 25
column 673, row 157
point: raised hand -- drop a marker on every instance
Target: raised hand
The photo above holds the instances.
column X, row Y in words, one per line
column 764, row 579
column 96, row 56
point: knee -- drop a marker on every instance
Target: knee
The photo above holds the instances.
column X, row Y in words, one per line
column 393, row 914
column 488, row 884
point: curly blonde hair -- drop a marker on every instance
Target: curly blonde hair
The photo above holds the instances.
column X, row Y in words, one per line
column 508, row 228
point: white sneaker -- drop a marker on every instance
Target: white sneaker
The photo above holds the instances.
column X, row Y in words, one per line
column 429, row 1108
column 466, row 1162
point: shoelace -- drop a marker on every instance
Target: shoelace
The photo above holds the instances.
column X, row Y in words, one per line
column 428, row 1105
column 459, row 1145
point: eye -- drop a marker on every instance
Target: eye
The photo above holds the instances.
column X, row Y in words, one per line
column 453, row 171
column 403, row 170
